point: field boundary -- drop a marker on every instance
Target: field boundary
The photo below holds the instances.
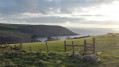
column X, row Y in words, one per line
column 86, row 46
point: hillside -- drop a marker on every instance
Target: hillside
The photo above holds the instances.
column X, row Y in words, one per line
column 39, row 30
column 10, row 37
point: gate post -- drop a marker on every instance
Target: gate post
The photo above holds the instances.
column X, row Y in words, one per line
column 65, row 45
column 93, row 45
column 73, row 46
column 85, row 46
column 47, row 47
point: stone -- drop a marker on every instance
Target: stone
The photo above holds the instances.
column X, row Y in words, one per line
column 78, row 55
column 75, row 55
column 99, row 52
column 71, row 55
column 91, row 57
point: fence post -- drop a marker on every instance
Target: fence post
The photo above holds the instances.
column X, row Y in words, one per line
column 6, row 43
column 93, row 45
column 47, row 47
column 20, row 46
column 85, row 46
column 73, row 46
column 65, row 45
column 30, row 48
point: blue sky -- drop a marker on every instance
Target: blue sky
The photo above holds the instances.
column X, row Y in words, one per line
column 67, row 13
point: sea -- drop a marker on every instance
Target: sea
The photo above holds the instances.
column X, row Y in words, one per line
column 84, row 32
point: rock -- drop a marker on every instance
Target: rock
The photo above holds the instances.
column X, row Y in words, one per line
column 75, row 55
column 78, row 55
column 71, row 55
column 99, row 52
column 91, row 57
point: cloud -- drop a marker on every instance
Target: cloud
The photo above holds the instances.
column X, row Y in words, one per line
column 44, row 19
column 12, row 7
column 45, row 6
column 69, row 13
column 68, row 24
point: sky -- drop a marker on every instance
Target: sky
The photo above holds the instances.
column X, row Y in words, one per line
column 67, row 13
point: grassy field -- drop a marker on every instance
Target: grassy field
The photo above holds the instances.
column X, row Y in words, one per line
column 107, row 48
column 103, row 44
column 54, row 46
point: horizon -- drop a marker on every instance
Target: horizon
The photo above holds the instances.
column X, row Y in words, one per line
column 66, row 13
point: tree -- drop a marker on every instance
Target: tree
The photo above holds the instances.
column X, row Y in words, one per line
column 34, row 38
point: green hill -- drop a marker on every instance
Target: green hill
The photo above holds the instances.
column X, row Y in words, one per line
column 39, row 30
column 10, row 37
column 14, row 33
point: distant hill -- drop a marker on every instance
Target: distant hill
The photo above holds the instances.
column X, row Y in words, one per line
column 10, row 37
column 39, row 30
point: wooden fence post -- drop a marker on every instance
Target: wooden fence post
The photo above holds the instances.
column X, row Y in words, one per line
column 93, row 45
column 47, row 47
column 85, row 46
column 20, row 46
column 30, row 48
column 73, row 46
column 65, row 45
column 6, row 43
